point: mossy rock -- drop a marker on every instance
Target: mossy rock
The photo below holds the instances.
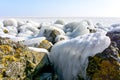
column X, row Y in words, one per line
column 17, row 62
column 105, row 65
column 45, row 44
column 5, row 31
column 51, row 35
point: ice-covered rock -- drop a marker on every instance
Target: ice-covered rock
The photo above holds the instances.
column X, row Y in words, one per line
column 101, row 27
column 50, row 32
column 70, row 57
column 25, row 34
column 11, row 30
column 58, row 26
column 76, row 28
column 10, row 22
column 30, row 27
column 34, row 42
column 20, row 23
column 34, row 24
column 59, row 22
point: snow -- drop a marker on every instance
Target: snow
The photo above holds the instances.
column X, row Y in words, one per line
column 74, row 44
column 34, row 42
column 10, row 22
column 76, row 28
column 38, row 49
column 70, row 57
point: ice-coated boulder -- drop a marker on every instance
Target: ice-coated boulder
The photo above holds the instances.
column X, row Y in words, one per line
column 30, row 27
column 70, row 57
column 10, row 22
column 59, row 22
column 76, row 28
column 26, row 33
column 34, row 24
column 50, row 32
column 20, row 23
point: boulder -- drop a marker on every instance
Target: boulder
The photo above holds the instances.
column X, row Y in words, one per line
column 76, row 29
column 115, row 36
column 59, row 22
column 45, row 44
column 105, row 65
column 17, row 62
column 50, row 32
column 70, row 57
column 10, row 22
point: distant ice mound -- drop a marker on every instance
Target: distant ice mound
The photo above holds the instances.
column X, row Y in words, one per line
column 70, row 57
column 28, row 29
column 10, row 22
column 59, row 22
column 75, row 29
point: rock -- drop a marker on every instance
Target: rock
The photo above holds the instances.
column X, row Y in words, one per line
column 28, row 27
column 105, row 65
column 45, row 44
column 115, row 36
column 10, row 22
column 70, row 57
column 76, row 28
column 50, row 32
column 59, row 22
column 34, row 24
column 17, row 62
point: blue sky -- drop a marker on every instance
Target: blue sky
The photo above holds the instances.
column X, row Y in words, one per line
column 60, row 8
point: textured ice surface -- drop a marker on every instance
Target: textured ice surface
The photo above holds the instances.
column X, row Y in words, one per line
column 38, row 49
column 70, row 57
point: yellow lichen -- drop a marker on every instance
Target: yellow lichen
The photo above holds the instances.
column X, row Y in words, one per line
column 6, row 49
column 8, row 58
column 5, row 31
column 45, row 44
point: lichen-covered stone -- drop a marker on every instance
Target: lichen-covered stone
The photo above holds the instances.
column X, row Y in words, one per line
column 17, row 62
column 45, row 44
column 105, row 65
column 115, row 36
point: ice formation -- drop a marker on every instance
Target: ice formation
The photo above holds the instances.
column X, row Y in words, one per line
column 59, row 22
column 34, row 42
column 38, row 49
column 75, row 29
column 70, row 57
column 10, row 22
